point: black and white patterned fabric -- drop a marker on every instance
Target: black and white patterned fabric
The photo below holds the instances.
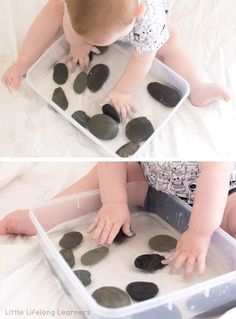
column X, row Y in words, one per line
column 177, row 178
column 150, row 30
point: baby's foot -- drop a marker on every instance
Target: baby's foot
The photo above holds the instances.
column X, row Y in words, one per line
column 18, row 223
column 13, row 76
column 206, row 93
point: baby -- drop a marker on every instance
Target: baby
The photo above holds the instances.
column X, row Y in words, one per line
column 205, row 185
column 88, row 23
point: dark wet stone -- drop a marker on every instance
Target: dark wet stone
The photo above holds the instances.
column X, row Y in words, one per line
column 97, row 77
column 84, row 276
column 71, row 240
column 111, row 111
column 102, row 49
column 82, row 118
column 94, row 256
column 111, row 297
column 149, row 262
column 68, row 255
column 139, row 129
column 142, row 290
column 80, row 83
column 128, row 149
column 60, row 73
column 221, row 294
column 162, row 243
column 121, row 238
column 161, row 312
column 60, row 99
column 103, row 126
column 164, row 94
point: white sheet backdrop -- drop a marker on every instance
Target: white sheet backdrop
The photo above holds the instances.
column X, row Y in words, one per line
column 30, row 128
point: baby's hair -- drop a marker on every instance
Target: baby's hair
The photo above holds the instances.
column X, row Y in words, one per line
column 88, row 16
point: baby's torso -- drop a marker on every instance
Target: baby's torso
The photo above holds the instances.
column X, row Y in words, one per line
column 177, row 178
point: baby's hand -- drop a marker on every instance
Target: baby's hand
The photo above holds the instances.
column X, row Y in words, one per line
column 80, row 54
column 17, row 223
column 190, row 252
column 121, row 101
column 110, row 218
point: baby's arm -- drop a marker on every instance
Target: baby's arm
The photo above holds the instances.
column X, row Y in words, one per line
column 114, row 213
column 137, row 68
column 207, row 213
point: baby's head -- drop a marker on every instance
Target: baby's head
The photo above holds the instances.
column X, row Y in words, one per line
column 102, row 22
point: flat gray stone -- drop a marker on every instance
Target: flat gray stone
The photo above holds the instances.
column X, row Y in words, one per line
column 97, row 76
column 60, row 73
column 162, row 243
column 81, row 117
column 164, row 94
column 139, row 129
column 80, row 83
column 128, row 149
column 142, row 290
column 103, row 127
column 60, row 98
column 71, row 240
column 68, row 255
column 94, row 256
column 84, row 276
column 111, row 297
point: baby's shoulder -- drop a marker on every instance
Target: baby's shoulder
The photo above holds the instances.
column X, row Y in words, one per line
column 57, row 4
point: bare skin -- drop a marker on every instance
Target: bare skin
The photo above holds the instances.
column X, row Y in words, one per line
column 55, row 16
column 210, row 210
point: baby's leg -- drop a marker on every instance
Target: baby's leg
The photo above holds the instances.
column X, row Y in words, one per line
column 19, row 222
column 229, row 218
column 176, row 56
column 41, row 34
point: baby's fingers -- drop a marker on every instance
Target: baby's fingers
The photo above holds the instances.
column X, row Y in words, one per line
column 99, row 229
column 190, row 265
column 93, row 225
column 105, row 233
column 178, row 262
column 201, row 261
column 114, row 231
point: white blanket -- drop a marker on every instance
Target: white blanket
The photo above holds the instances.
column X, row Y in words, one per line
column 26, row 281
column 30, row 128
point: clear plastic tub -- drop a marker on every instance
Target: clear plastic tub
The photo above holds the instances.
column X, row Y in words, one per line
column 40, row 79
column 176, row 299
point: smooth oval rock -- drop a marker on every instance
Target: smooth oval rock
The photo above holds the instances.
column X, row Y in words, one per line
column 109, row 110
column 149, row 262
column 97, row 77
column 93, row 256
column 111, row 297
column 84, row 276
column 103, row 126
column 162, row 243
column 82, row 118
column 68, row 255
column 139, row 129
column 164, row 94
column 71, row 240
column 128, row 149
column 60, row 73
column 80, row 83
column 142, row 290
column 60, row 98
